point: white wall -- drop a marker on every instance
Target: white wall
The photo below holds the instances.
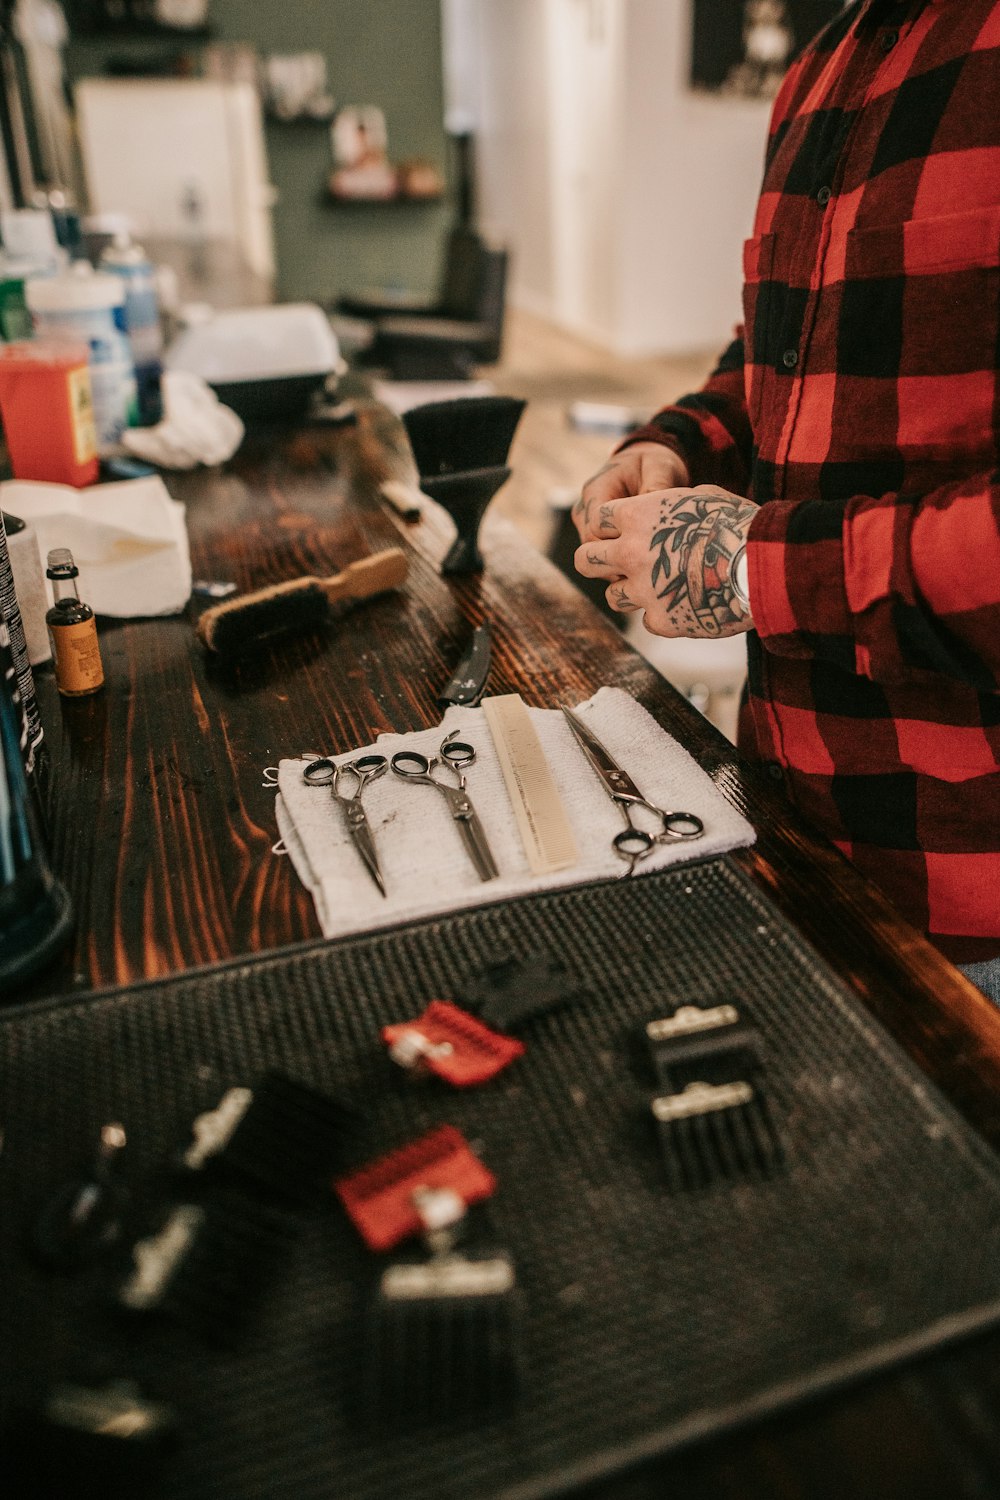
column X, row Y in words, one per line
column 513, row 143
column 633, row 240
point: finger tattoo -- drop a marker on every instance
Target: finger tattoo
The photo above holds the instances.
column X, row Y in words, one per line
column 620, row 598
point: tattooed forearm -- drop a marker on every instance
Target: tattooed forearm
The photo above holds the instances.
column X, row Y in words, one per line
column 693, row 548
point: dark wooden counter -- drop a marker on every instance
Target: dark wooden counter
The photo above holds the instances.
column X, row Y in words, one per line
column 162, row 829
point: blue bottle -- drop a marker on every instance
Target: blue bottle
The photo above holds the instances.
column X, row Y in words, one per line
column 142, row 321
column 35, row 917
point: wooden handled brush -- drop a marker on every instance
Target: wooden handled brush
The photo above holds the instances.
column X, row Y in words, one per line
column 300, row 605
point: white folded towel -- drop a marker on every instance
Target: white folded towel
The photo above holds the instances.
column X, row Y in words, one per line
column 423, row 860
column 128, row 540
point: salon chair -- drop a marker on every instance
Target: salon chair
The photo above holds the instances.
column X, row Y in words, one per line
column 443, row 338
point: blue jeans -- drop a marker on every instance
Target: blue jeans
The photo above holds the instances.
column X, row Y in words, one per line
column 986, row 976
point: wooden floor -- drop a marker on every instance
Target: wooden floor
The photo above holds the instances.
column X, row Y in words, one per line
column 551, row 369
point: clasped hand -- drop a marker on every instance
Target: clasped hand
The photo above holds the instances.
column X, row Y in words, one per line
column 664, row 547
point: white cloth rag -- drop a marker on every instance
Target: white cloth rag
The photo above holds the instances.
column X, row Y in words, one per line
column 196, row 427
column 424, row 864
column 128, row 540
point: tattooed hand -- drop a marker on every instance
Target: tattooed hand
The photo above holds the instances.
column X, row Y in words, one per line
column 634, row 471
column 669, row 554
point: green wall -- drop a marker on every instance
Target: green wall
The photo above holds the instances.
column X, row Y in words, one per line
column 384, row 52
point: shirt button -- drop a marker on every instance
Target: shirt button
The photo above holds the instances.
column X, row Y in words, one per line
column 774, row 770
column 790, row 359
column 888, row 40
column 823, row 196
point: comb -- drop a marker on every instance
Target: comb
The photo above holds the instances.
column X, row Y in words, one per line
column 510, row 991
column 716, row 1132
column 210, row 1266
column 114, row 1434
column 380, row 1198
column 451, row 1044
column 441, row 1336
column 281, row 1138
column 702, row 1044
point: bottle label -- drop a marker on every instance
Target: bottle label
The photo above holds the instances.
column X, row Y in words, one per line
column 81, row 415
column 77, row 657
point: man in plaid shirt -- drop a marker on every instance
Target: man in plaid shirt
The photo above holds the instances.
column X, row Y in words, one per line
column 845, row 458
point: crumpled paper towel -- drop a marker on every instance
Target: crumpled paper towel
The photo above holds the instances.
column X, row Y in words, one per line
column 424, row 864
column 128, row 540
column 196, row 427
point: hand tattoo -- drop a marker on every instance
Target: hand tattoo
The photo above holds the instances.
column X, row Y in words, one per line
column 700, row 542
column 607, row 513
column 620, row 599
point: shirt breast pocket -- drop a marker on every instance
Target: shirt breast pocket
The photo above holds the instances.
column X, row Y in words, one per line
column 759, row 301
column 919, row 317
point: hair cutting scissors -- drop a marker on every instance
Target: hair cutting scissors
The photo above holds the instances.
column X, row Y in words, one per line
column 356, row 775
column 633, row 843
column 453, row 755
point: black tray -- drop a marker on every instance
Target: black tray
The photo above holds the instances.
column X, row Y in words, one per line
column 652, row 1319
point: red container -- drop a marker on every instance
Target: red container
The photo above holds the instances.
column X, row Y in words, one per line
column 48, row 415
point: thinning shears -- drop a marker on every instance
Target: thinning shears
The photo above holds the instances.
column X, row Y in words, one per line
column 633, row 843
column 347, row 782
column 453, row 755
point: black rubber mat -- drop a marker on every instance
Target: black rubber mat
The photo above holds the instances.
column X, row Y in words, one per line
column 650, row 1317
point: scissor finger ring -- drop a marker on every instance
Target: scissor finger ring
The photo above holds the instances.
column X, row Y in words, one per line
column 632, row 843
column 681, row 825
column 457, row 753
column 320, row 772
column 410, row 763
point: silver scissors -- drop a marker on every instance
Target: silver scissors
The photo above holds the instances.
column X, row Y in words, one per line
column 366, row 768
column 453, row 755
column 634, row 843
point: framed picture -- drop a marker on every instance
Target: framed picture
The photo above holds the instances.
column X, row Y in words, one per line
column 743, row 47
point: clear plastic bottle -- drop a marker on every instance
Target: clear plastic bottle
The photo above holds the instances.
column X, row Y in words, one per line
column 86, row 307
column 72, row 630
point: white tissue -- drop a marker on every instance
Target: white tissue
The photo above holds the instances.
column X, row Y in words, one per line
column 196, row 427
column 128, row 540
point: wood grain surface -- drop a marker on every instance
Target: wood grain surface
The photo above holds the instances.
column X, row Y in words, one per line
column 162, row 829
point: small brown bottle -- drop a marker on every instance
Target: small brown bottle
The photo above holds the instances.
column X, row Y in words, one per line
column 72, row 630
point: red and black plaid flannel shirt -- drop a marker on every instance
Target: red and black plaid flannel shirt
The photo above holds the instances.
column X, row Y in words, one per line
column 860, row 407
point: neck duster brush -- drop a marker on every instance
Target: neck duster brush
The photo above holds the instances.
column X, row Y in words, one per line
column 297, row 607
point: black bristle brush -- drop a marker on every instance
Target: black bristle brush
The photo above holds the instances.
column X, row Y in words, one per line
column 471, row 432
column 297, row 606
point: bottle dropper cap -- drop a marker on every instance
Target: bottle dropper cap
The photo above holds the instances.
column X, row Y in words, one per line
column 61, row 564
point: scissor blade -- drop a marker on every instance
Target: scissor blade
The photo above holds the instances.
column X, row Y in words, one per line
column 365, row 845
column 478, row 846
column 617, row 783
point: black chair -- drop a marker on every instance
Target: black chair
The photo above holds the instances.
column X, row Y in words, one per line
column 447, row 337
column 457, row 295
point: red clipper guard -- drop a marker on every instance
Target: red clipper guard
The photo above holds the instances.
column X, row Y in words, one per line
column 383, row 1199
column 451, row 1044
